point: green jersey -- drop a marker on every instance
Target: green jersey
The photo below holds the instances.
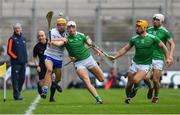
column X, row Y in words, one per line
column 144, row 47
column 163, row 34
column 76, row 46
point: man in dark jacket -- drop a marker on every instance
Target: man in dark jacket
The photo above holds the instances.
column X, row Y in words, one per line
column 38, row 55
column 18, row 59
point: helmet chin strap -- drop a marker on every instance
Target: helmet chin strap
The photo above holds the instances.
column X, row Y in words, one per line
column 140, row 33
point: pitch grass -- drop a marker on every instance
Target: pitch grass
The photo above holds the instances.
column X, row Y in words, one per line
column 79, row 101
column 16, row 107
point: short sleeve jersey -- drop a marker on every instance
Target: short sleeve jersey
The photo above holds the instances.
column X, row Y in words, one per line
column 144, row 47
column 56, row 52
column 76, row 46
column 38, row 51
column 164, row 35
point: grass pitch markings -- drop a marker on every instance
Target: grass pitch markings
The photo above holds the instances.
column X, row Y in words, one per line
column 33, row 105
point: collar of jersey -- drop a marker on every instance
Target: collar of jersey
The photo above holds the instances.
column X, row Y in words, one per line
column 71, row 35
column 143, row 36
column 158, row 28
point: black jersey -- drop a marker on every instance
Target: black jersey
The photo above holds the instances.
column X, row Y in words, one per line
column 38, row 50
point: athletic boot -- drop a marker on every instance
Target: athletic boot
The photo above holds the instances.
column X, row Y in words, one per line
column 155, row 100
column 133, row 92
column 44, row 93
column 52, row 100
column 98, row 100
column 127, row 100
column 150, row 93
column 58, row 87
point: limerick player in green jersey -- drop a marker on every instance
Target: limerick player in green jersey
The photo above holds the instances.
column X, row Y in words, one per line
column 84, row 61
column 158, row 55
column 144, row 46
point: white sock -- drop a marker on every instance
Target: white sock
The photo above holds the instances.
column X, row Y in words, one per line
column 45, row 87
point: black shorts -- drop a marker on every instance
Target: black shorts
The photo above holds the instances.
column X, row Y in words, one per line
column 43, row 72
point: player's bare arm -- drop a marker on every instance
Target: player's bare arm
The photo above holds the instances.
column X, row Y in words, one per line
column 172, row 48
column 166, row 53
column 121, row 52
column 58, row 41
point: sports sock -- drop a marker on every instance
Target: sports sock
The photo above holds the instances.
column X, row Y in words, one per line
column 39, row 88
column 156, row 93
column 135, row 86
column 98, row 98
column 52, row 90
column 148, row 83
column 45, row 88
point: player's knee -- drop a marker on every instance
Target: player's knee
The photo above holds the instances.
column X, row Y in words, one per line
column 49, row 71
column 156, row 80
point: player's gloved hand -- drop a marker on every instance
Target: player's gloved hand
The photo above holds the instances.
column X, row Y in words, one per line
column 64, row 39
column 100, row 54
column 50, row 43
column 171, row 59
column 168, row 62
column 38, row 69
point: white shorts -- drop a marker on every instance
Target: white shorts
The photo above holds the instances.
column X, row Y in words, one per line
column 136, row 67
column 158, row 64
column 86, row 63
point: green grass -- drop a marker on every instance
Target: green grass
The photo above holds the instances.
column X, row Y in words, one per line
column 80, row 102
column 16, row 107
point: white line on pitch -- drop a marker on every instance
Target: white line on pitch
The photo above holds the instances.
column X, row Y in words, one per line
column 32, row 106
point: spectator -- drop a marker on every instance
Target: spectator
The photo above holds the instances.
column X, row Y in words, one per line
column 112, row 80
column 1, row 55
column 18, row 59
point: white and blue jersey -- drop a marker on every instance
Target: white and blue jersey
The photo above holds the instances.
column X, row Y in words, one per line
column 55, row 53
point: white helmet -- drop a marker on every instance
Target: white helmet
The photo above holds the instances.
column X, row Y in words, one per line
column 71, row 23
column 159, row 16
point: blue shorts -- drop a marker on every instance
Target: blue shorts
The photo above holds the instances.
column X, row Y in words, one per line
column 56, row 63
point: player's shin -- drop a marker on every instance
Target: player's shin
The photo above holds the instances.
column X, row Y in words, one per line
column 156, row 88
column 148, row 82
column 134, row 90
column 128, row 89
column 52, row 92
column 47, row 81
column 58, row 80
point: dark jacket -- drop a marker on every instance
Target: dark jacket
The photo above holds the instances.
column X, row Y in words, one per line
column 17, row 49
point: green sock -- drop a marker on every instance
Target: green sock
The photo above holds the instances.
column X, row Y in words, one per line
column 98, row 98
column 156, row 93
